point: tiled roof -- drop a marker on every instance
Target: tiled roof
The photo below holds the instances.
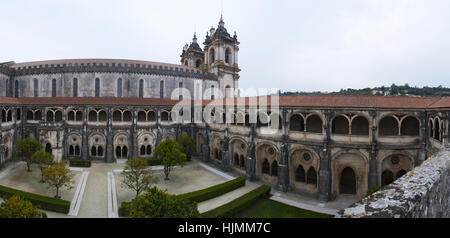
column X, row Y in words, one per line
column 322, row 101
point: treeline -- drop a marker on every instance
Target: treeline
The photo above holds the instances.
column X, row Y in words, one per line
column 393, row 90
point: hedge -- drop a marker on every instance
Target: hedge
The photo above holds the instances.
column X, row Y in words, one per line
column 214, row 191
column 230, row 209
column 80, row 163
column 43, row 202
column 154, row 161
column 200, row 195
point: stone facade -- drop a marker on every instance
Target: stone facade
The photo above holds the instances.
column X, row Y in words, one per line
column 422, row 193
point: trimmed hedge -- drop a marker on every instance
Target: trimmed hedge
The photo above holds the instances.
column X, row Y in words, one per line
column 43, row 202
column 154, row 161
column 214, row 191
column 230, row 209
column 80, row 163
column 200, row 195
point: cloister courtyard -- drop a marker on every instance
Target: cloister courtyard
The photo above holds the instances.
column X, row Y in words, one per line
column 98, row 191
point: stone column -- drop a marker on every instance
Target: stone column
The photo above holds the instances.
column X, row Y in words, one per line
column 84, row 134
column 424, row 140
column 373, row 171
column 324, row 183
column 133, row 146
column 283, row 169
column 226, row 157
column 206, row 149
column 250, row 163
column 109, row 139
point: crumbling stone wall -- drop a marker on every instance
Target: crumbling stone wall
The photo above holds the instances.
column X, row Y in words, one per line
column 421, row 193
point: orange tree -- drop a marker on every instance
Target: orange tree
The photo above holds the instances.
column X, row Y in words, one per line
column 43, row 159
column 16, row 207
column 169, row 151
column 137, row 176
column 58, row 176
column 25, row 148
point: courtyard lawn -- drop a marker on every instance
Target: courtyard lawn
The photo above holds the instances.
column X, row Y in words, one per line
column 268, row 208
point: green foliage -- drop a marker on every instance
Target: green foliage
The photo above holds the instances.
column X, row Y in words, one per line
column 154, row 161
column 214, row 191
column 80, row 163
column 373, row 189
column 17, row 207
column 268, row 208
column 43, row 202
column 43, row 159
column 159, row 204
column 58, row 176
column 230, row 209
column 136, row 176
column 188, row 145
column 170, row 153
column 25, row 148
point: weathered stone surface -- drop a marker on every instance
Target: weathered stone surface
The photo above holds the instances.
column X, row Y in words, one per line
column 422, row 193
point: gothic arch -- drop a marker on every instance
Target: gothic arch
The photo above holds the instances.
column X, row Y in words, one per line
column 341, row 163
column 267, row 151
column 394, row 162
column 301, row 161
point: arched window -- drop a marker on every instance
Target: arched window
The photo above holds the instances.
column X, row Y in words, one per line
column 71, row 116
column 58, row 116
column 143, row 150
column 236, row 159
column 340, row 125
column 124, row 152
column 71, row 150
column 102, row 116
column 410, row 127
column 48, row 148
column 50, row 116
column 437, row 129
column 16, row 88
column 9, row 116
column 75, row 87
column 77, row 150
column 79, row 116
column 127, row 116
column 266, row 167
column 97, row 87
column 227, row 55
column 18, row 114
column 117, row 116
column 348, row 181
column 360, row 126
column 151, row 116
column 30, row 116
column 164, row 116
column 212, row 56
column 37, row 116
column 300, row 174
column 161, row 89
column 119, row 87
column 242, row 161
column 198, row 63
column 142, row 116
column 149, row 149
column 93, row 151
column 314, row 124
column 100, row 151
column 388, row 127
column 141, row 88
column 297, row 123
column 118, row 152
column 387, row 177
column 53, row 87
column 92, row 116
column 274, row 169
column 311, row 177
column 36, row 88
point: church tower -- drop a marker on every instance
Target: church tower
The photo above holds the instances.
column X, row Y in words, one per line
column 192, row 54
column 221, row 58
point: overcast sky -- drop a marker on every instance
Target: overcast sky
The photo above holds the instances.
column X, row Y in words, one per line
column 320, row 45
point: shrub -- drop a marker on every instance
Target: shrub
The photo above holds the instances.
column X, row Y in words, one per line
column 80, row 163
column 17, row 207
column 154, row 161
column 214, row 191
column 43, row 202
column 237, row 205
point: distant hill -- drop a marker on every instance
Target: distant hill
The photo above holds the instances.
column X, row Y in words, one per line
column 393, row 90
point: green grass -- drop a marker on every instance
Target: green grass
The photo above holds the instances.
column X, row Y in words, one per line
column 272, row 209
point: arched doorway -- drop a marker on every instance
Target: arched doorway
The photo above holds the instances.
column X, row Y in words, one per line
column 347, row 182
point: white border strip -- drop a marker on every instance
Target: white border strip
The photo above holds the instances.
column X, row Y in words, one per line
column 78, row 197
column 112, row 197
column 215, row 171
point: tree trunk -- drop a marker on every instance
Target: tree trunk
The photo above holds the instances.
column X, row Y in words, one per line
column 28, row 166
column 42, row 175
column 57, row 192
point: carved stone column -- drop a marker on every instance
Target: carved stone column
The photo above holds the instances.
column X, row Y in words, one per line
column 324, row 184
column 109, row 139
column 283, row 169
column 373, row 174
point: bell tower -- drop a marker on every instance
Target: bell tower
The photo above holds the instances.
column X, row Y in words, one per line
column 221, row 58
column 192, row 54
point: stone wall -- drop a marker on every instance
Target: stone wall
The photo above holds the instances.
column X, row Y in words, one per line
column 421, row 193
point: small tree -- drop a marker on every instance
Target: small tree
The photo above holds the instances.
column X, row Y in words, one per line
column 16, row 207
column 169, row 151
column 43, row 159
column 159, row 204
column 58, row 176
column 25, row 148
column 188, row 145
column 136, row 176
